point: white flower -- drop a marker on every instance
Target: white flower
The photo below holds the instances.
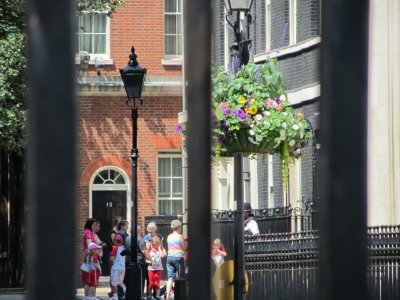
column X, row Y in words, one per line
column 284, row 125
column 284, row 113
column 296, row 127
column 251, row 132
column 259, row 138
column 291, row 143
column 301, row 135
column 258, row 117
column 267, row 113
column 282, row 132
column 267, row 123
column 251, row 140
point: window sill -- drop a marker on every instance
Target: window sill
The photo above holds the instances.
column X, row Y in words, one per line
column 172, row 62
column 292, row 49
column 106, row 61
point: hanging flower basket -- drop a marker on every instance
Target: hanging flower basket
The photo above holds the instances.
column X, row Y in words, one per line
column 242, row 142
column 253, row 116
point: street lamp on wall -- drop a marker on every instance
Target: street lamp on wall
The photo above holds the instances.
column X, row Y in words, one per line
column 241, row 26
column 133, row 76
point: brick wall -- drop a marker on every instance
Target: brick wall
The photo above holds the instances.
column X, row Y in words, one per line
column 139, row 23
column 300, row 69
column 105, row 138
column 279, row 19
column 308, row 19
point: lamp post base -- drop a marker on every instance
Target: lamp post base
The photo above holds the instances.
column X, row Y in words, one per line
column 133, row 282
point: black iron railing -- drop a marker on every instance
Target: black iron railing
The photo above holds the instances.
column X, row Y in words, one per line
column 286, row 265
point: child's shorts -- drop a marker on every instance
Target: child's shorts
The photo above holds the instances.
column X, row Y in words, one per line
column 94, row 277
column 117, row 277
column 85, row 277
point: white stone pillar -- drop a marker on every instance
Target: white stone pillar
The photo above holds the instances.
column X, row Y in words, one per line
column 384, row 113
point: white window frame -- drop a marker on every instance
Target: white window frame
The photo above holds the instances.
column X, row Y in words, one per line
column 94, row 55
column 170, row 154
column 268, row 25
column 173, row 59
column 292, row 22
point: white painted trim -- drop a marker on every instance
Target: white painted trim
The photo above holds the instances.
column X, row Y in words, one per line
column 110, row 187
column 172, row 62
column 299, row 47
column 171, row 153
column 303, row 95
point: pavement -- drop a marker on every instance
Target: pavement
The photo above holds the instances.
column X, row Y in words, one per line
column 101, row 292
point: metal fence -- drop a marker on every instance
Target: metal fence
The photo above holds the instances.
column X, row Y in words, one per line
column 286, row 265
column 272, row 220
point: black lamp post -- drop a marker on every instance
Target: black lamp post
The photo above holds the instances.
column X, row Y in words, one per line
column 240, row 56
column 241, row 28
column 133, row 77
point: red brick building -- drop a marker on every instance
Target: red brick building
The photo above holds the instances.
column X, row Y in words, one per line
column 154, row 27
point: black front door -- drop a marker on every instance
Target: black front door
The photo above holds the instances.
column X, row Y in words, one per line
column 106, row 206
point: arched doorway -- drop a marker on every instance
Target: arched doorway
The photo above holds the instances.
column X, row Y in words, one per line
column 109, row 190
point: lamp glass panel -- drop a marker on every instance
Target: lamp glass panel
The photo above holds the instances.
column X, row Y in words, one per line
column 240, row 4
column 133, row 83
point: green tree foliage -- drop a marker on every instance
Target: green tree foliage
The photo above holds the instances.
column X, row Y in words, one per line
column 13, row 90
column 90, row 6
column 12, row 75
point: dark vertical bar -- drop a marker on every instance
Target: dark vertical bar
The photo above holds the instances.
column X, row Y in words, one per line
column 238, row 233
column 51, row 151
column 343, row 153
column 198, row 79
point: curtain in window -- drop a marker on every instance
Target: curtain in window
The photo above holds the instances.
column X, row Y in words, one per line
column 93, row 33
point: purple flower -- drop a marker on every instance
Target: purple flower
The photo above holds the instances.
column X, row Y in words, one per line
column 241, row 114
column 303, row 144
column 220, row 140
column 278, row 100
column 226, row 111
column 225, row 130
column 178, row 128
column 223, row 122
column 236, row 62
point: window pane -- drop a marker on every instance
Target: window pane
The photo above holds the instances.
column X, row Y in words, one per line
column 164, row 207
column 177, row 207
column 178, row 24
column 85, row 43
column 85, row 24
column 171, row 5
column 99, row 23
column 179, row 45
column 119, row 179
column 164, row 167
column 98, row 180
column 177, row 187
column 99, row 44
column 164, row 187
column 170, row 45
column 176, row 167
column 170, row 24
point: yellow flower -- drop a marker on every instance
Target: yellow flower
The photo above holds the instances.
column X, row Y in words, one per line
column 252, row 110
column 300, row 116
column 242, row 100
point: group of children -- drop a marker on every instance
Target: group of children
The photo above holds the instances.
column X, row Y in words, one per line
column 154, row 253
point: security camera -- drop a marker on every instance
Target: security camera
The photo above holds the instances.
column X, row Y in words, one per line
column 99, row 64
column 84, row 59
